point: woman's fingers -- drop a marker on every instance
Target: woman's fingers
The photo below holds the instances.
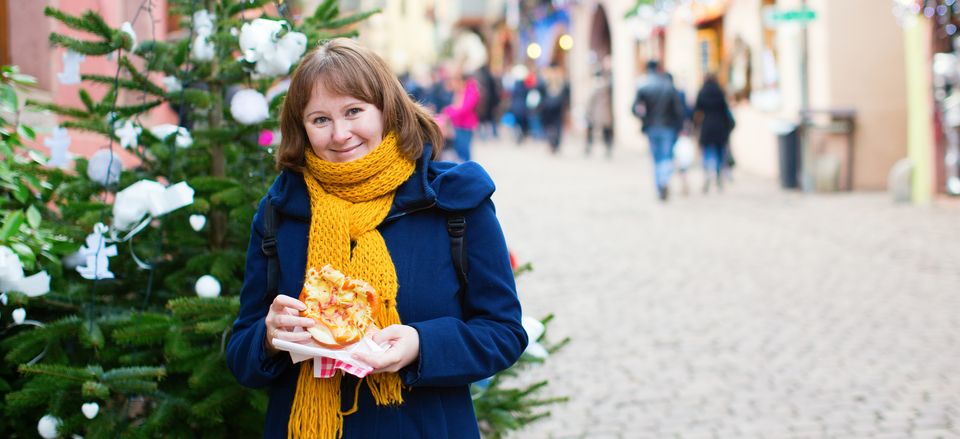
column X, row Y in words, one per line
column 283, row 301
column 404, row 348
column 290, row 321
column 298, row 336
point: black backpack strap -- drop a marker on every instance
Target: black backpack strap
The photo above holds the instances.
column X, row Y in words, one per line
column 269, row 248
column 457, row 228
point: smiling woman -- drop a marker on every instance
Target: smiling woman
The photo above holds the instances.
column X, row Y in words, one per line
column 359, row 193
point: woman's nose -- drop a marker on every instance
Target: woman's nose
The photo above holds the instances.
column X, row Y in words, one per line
column 341, row 131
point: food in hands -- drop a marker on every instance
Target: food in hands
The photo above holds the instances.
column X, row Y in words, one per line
column 343, row 308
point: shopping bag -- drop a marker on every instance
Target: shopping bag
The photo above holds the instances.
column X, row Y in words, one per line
column 684, row 152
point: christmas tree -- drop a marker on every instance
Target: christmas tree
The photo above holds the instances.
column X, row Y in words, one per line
column 122, row 345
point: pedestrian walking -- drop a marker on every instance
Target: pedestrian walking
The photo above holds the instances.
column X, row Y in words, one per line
column 658, row 106
column 518, row 102
column 488, row 109
column 713, row 115
column 553, row 106
column 463, row 111
column 356, row 164
column 684, row 151
column 600, row 111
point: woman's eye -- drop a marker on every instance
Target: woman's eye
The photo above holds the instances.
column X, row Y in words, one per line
column 353, row 111
column 320, row 120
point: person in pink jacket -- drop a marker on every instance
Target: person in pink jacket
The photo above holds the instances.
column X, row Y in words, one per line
column 463, row 112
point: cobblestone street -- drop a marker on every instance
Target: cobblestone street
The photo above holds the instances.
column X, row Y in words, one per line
column 755, row 313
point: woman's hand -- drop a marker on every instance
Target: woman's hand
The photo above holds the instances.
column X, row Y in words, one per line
column 404, row 349
column 282, row 318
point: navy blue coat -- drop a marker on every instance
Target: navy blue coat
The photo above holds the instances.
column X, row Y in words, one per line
column 462, row 339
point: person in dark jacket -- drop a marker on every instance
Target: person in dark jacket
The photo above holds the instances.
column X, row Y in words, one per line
column 658, row 105
column 518, row 102
column 716, row 123
column 489, row 108
column 358, row 190
column 553, row 106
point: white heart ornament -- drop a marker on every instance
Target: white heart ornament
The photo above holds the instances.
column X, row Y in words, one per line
column 197, row 222
column 90, row 410
column 19, row 315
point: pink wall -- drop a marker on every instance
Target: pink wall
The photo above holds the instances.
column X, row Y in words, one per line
column 31, row 50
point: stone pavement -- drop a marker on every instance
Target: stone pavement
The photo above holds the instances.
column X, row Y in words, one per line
column 755, row 313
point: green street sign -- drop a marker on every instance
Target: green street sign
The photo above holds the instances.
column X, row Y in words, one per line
column 802, row 15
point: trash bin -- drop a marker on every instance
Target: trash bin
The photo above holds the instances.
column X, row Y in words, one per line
column 789, row 142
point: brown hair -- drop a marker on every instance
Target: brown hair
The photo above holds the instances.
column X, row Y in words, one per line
column 345, row 67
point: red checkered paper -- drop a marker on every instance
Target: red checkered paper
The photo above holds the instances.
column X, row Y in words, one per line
column 327, row 361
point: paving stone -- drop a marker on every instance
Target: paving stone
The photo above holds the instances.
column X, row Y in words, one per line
column 752, row 313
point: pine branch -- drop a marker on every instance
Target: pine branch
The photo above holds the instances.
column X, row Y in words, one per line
column 207, row 371
column 34, row 393
column 58, row 109
column 80, row 46
column 208, row 184
column 95, row 389
column 326, row 11
column 89, row 22
column 190, row 307
column 324, row 36
column 91, row 335
column 144, row 329
column 62, row 372
column 93, row 126
column 109, row 81
column 209, row 408
column 191, row 96
column 87, row 101
column 134, row 386
column 132, row 110
column 346, row 21
column 215, row 326
column 133, row 373
column 138, row 78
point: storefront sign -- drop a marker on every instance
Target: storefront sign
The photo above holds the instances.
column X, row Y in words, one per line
column 795, row 15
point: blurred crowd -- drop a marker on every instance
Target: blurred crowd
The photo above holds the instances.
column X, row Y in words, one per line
column 532, row 104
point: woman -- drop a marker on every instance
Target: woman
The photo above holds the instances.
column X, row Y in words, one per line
column 358, row 190
column 463, row 111
column 716, row 123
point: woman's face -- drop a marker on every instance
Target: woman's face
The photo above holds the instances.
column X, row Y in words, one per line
column 341, row 128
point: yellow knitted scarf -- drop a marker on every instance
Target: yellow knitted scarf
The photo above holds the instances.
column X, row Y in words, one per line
column 347, row 203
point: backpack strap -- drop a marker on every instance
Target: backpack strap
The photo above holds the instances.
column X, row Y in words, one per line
column 269, row 248
column 456, row 228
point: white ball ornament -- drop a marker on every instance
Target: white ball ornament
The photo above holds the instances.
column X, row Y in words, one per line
column 47, row 427
column 104, row 167
column 249, row 107
column 207, row 286
column 90, row 409
column 19, row 315
column 197, row 222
